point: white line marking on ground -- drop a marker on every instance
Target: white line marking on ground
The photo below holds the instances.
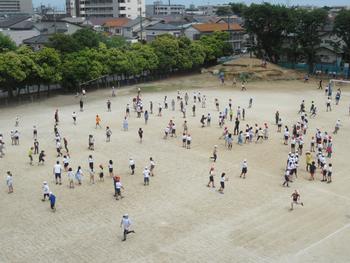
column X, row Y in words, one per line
column 321, row 240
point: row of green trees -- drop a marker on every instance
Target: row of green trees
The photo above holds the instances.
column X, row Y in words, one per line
column 87, row 55
column 292, row 33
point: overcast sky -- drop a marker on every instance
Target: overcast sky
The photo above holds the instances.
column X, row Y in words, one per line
column 60, row 3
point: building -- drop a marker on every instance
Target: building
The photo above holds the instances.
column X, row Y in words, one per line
column 135, row 29
column 106, row 8
column 22, row 28
column 209, row 10
column 195, row 31
column 9, row 7
column 160, row 9
column 115, row 27
column 160, row 29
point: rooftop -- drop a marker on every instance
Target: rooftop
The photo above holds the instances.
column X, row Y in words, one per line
column 161, row 26
column 117, row 22
column 211, row 27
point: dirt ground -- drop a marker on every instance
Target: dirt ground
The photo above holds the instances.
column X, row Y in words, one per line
column 177, row 218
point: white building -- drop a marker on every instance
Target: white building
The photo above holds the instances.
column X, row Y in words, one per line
column 16, row 7
column 160, row 9
column 106, row 8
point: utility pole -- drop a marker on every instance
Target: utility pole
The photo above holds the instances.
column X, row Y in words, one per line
column 141, row 26
column 54, row 19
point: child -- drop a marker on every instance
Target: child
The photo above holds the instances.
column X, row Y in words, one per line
column 312, row 170
column 65, row 163
column 52, row 199
column 222, row 183
column 46, row 190
column 41, row 158
column 78, row 175
column 146, row 174
column 125, row 124
column 70, row 178
column 118, row 187
column 184, row 139
column 91, row 142
column 312, row 144
column 295, row 199
column 101, row 175
column 329, row 173
column 215, row 151
column 244, row 169
column 9, row 182
column 108, row 134
column 132, row 165
column 98, row 120
column 57, row 170
column 92, row 176
column 188, row 141
column 110, row 168
column 286, row 178
column 140, row 132
column 30, row 155
column 308, row 160
column 36, row 146
column 324, row 172
column 211, row 178
column 81, row 104
column 74, row 117
column 152, row 166
column 35, row 132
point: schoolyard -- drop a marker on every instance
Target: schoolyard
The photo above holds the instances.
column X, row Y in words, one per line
column 177, row 218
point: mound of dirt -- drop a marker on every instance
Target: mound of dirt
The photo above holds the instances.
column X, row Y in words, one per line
column 253, row 69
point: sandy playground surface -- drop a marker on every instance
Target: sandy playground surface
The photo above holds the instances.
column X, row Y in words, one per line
column 177, row 218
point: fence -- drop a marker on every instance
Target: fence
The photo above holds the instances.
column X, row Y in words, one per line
column 328, row 69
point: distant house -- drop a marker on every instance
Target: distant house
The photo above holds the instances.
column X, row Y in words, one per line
column 46, row 29
column 160, row 29
column 331, row 47
column 132, row 30
column 195, row 31
column 18, row 29
column 115, row 26
column 37, row 42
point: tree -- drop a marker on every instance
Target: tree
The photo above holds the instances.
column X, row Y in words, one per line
column 167, row 49
column 148, row 54
column 88, row 38
column 215, row 45
column 197, row 54
column 6, row 43
column 17, row 70
column 238, row 8
column 116, row 42
column 342, row 30
column 50, row 62
column 79, row 67
column 223, row 11
column 185, row 61
column 63, row 43
column 268, row 22
column 307, row 32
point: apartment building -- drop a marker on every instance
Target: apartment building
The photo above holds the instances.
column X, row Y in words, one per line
column 16, row 7
column 106, row 8
column 161, row 9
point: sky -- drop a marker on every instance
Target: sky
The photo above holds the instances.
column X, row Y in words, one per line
column 60, row 3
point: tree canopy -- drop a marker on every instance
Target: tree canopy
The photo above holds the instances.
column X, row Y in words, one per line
column 6, row 43
column 342, row 30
